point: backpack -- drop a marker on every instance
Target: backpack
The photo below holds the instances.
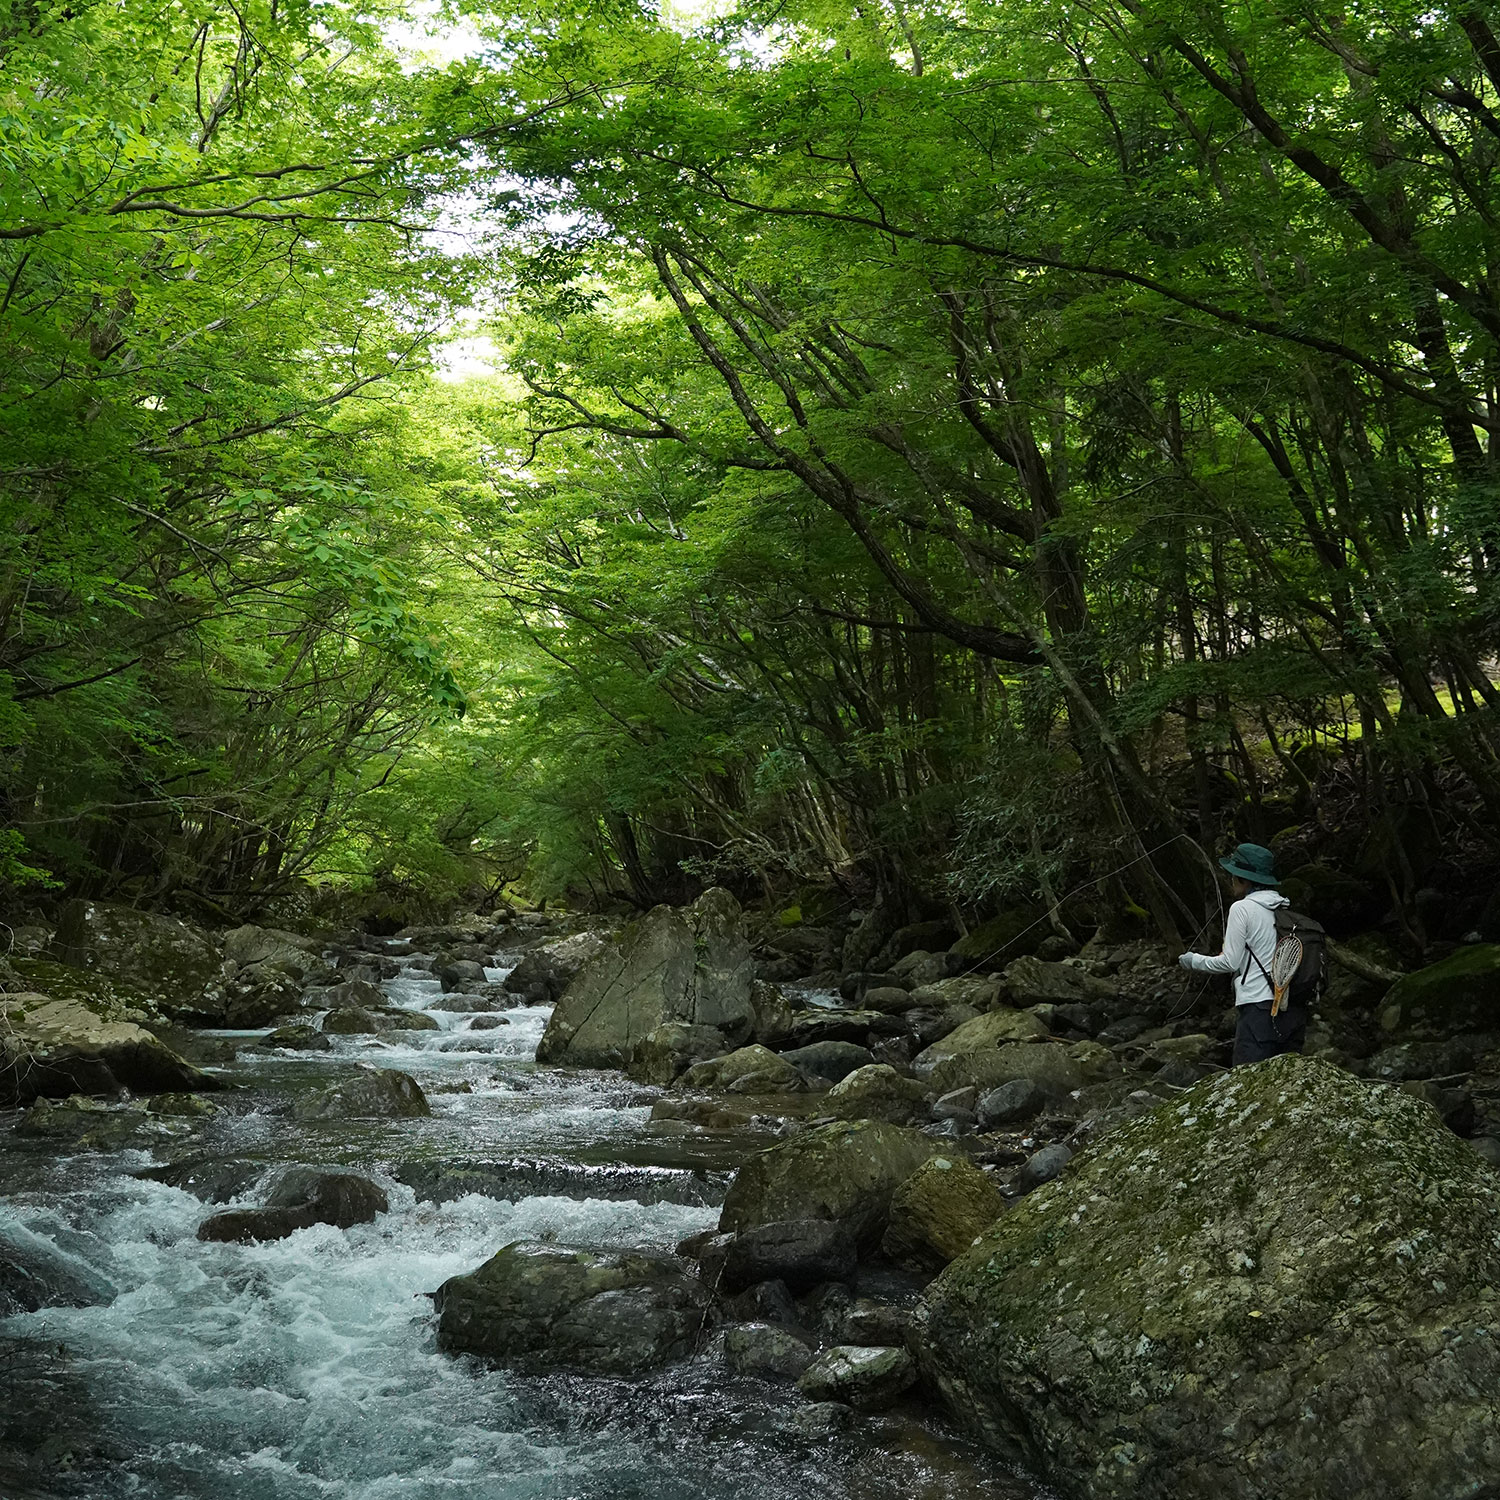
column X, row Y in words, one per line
column 1299, row 967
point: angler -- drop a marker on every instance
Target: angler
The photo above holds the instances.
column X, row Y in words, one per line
column 1278, row 958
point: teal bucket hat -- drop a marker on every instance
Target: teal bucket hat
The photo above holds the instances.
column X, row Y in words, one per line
column 1252, row 862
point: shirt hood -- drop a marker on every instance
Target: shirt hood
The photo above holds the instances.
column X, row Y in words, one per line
column 1268, row 898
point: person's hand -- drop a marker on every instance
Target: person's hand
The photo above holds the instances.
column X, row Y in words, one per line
column 1185, row 959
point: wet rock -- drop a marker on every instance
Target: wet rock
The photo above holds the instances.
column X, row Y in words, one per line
column 982, row 1034
column 854, row 986
column 1457, row 994
column 771, row 1014
column 830, row 1061
column 1043, row 1166
column 301, row 1197
column 799, row 1252
column 296, row 1038
column 762, row 1349
column 453, row 974
column 671, row 1049
column 359, row 1021
column 352, row 994
column 86, row 1124
column 844, row 1172
column 1012, row 1103
column 35, row 1273
column 549, row 1308
column 878, row 1092
column 547, row 970
column 372, row 1094
column 866, row 1379
column 690, row 965
column 181, row 1106
column 820, row 1419
column 488, row 1023
column 753, row 1069
column 1152, row 1276
column 60, row 1047
column 1046, row 1064
column 939, row 1211
column 1487, row 1148
column 168, row 960
column 252, row 1000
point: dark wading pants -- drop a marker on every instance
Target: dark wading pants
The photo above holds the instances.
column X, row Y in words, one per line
column 1259, row 1035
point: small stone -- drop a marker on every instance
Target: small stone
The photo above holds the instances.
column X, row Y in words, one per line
column 180, row 1104
column 298, row 1038
column 820, row 1419
column 957, row 1104
column 868, row 1379
column 488, row 1023
column 1020, row 1099
column 1043, row 1166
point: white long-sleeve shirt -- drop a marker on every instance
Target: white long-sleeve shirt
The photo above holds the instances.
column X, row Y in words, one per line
column 1249, row 929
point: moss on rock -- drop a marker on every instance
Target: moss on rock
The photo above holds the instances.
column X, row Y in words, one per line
column 1286, row 1282
column 1460, row 993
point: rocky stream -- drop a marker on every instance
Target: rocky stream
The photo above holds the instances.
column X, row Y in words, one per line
column 515, row 1208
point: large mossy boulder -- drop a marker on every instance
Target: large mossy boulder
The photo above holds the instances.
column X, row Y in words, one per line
column 691, row 965
column 168, row 960
column 994, row 943
column 370, row 1094
column 878, row 1092
column 54, row 1048
column 1283, row 1283
column 547, row 1308
column 1460, row 993
column 981, row 1034
column 845, row 1173
column 939, row 1210
column 1049, row 1065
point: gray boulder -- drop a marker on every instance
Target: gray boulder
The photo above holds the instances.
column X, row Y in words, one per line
column 1033, row 981
column 830, row 1061
column 1212, row 1303
column 844, row 1172
column 982, row 1034
column 746, row 1070
column 768, row 1351
column 867, row 1379
column 878, row 1092
column 689, row 965
column 1012, row 1103
column 54, row 1048
column 298, row 1037
column 303, row 1196
column 673, row 1048
column 548, row 969
column 455, row 973
column 547, row 1308
column 1043, row 1166
column 167, row 960
column 354, row 1020
column 371, row 1094
column 1047, row 1064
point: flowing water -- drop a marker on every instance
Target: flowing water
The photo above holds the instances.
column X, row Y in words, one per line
column 306, row 1369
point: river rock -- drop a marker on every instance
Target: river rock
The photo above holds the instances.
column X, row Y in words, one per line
column 938, row 1212
column 799, row 1252
column 270, row 948
column 548, row 969
column 765, row 1350
column 995, row 943
column 690, row 965
column 1012, row 1103
column 841, row 1317
column 672, row 1048
column 60, row 1047
column 371, row 1094
column 296, row 1038
column 454, row 974
column 358, row 1021
column 931, row 1023
column 845, row 1172
column 866, row 1379
column 752, row 1070
column 167, row 960
column 1212, row 1301
column 877, row 1092
column 980, row 992
column 85, row 1124
column 809, row 1027
column 302, row 1196
column 983, row 1033
column 771, row 1014
column 545, row 1307
column 1460, row 993
column 1046, row 1064
column 830, row 1061
column 35, row 1273
column 1043, row 1166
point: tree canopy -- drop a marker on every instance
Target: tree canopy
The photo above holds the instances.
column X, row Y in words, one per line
column 959, row 453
